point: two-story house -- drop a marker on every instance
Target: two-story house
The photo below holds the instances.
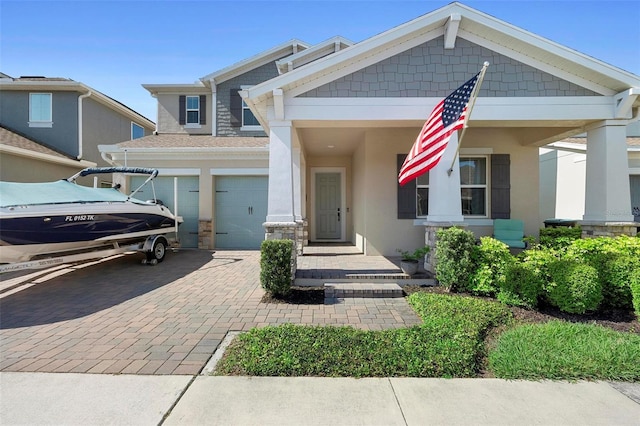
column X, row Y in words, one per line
column 51, row 127
column 305, row 142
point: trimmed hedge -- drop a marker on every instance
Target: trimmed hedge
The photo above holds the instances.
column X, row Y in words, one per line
column 575, row 287
column 634, row 284
column 559, row 238
column 491, row 259
column 276, row 257
column 454, row 263
column 522, row 286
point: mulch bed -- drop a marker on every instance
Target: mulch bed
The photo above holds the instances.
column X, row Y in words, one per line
column 619, row 320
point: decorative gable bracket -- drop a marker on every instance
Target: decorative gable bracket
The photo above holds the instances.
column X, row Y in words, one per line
column 451, row 30
column 623, row 102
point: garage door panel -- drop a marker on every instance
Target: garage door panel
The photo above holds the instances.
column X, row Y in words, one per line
column 241, row 209
column 188, row 202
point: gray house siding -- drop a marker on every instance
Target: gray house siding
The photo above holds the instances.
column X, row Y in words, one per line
column 251, row 78
column 63, row 135
column 103, row 126
column 169, row 114
column 431, row 70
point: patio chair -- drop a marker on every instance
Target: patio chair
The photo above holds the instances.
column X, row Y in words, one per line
column 510, row 232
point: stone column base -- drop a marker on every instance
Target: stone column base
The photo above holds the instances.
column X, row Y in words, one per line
column 205, row 234
column 431, row 237
column 287, row 231
column 593, row 229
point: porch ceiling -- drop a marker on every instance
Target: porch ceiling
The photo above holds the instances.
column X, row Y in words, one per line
column 343, row 138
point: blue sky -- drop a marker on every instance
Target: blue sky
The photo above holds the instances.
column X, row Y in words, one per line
column 115, row 46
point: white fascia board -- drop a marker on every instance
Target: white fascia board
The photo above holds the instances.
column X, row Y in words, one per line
column 567, row 146
column 244, row 171
column 542, row 66
column 486, row 109
column 26, row 153
column 494, row 24
column 178, row 154
column 315, row 52
column 253, row 62
column 155, row 89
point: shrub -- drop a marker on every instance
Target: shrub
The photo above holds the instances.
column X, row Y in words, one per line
column 575, row 287
column 634, row 283
column 491, row 259
column 606, row 255
column 454, row 265
column 522, row 285
column 559, row 238
column 276, row 258
column 540, row 259
column 615, row 276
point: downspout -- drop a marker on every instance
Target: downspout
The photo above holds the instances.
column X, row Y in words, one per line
column 80, row 98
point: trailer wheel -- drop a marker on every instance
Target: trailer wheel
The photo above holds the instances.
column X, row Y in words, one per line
column 158, row 251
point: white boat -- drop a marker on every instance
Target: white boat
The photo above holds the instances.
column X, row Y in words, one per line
column 45, row 219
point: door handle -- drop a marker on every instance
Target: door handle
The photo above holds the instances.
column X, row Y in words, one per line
column 338, row 215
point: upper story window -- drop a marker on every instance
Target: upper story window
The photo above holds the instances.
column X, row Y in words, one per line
column 137, row 131
column 40, row 110
column 193, row 110
column 249, row 121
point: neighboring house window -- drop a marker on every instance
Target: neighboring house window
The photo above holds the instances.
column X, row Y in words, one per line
column 477, row 181
column 192, row 110
column 137, row 131
column 40, row 110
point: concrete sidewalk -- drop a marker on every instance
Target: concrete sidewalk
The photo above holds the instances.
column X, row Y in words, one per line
column 82, row 399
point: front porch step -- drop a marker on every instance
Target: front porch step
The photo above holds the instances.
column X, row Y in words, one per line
column 361, row 290
column 361, row 279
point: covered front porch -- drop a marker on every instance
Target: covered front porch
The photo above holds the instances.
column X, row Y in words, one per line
column 323, row 263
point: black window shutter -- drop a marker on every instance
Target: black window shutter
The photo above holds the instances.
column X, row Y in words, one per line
column 182, row 110
column 203, row 109
column 500, row 186
column 406, row 194
column 236, row 108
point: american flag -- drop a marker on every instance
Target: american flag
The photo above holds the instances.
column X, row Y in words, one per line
column 447, row 117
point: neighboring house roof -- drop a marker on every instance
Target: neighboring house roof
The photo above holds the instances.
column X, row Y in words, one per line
column 631, row 141
column 179, row 141
column 66, row 84
column 17, row 144
column 451, row 21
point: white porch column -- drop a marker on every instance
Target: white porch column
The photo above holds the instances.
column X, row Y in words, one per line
column 607, row 197
column 280, row 199
column 445, row 204
column 297, row 184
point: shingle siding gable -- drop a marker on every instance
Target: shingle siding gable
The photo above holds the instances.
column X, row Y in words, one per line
column 251, row 78
column 431, row 70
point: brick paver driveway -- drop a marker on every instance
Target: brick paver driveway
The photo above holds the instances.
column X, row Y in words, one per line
column 118, row 316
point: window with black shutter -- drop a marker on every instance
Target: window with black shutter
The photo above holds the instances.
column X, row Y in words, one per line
column 235, row 107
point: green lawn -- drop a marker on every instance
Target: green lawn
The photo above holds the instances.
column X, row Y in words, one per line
column 449, row 343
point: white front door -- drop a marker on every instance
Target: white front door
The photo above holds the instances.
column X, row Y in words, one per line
column 328, row 205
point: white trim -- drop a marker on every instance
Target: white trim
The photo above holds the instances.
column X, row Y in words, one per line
column 251, row 128
column 192, row 126
column 27, row 153
column 634, row 171
column 40, row 123
column 239, row 171
column 343, row 201
column 168, row 172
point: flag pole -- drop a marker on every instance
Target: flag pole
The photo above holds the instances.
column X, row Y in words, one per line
column 471, row 103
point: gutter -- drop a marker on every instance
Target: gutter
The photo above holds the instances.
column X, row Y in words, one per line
column 80, row 98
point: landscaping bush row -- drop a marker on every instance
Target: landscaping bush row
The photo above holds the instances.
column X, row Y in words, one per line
column 575, row 275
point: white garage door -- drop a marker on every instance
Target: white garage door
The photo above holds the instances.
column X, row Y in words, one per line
column 187, row 203
column 241, row 209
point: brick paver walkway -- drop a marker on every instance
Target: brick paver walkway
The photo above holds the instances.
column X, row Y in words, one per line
column 121, row 317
